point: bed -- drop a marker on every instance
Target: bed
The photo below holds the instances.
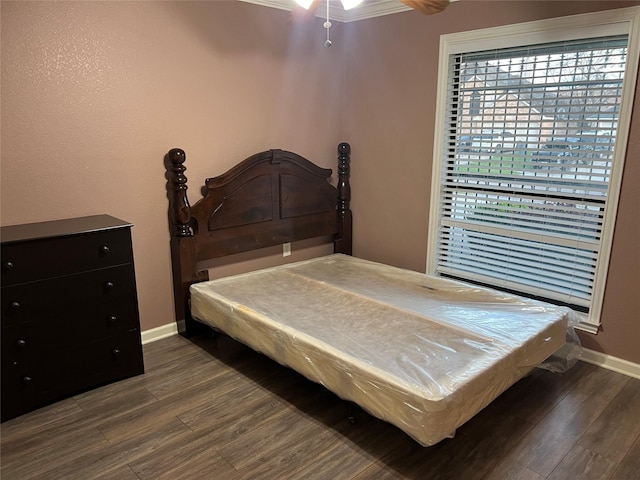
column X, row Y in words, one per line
column 420, row 352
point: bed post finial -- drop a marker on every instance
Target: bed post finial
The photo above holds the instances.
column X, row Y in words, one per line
column 179, row 204
column 343, row 243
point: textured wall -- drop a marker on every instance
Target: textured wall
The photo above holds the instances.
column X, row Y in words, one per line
column 95, row 93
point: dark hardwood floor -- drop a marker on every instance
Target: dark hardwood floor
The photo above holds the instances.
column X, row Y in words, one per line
column 213, row 409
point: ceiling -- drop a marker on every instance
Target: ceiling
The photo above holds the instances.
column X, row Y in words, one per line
column 368, row 9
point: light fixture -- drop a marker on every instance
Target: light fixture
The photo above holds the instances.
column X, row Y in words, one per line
column 349, row 4
column 346, row 4
column 304, row 3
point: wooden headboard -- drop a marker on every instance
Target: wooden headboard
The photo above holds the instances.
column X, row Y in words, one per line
column 270, row 198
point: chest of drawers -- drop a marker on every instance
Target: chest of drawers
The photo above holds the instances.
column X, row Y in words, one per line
column 69, row 310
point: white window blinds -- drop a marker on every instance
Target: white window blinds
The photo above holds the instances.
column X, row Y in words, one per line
column 529, row 141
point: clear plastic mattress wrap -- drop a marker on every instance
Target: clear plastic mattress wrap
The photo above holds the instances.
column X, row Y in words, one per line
column 423, row 353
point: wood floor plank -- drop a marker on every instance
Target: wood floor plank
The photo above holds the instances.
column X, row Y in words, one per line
column 107, row 458
column 252, row 433
column 120, row 472
column 355, row 448
column 293, row 457
column 612, row 434
column 484, row 441
column 553, row 437
column 413, row 461
column 41, row 432
column 507, row 469
column 583, row 464
column 186, row 375
column 196, row 458
column 28, row 426
column 177, row 349
column 47, row 452
column 281, row 447
column 119, row 398
column 217, row 414
column 630, row 466
column 125, row 425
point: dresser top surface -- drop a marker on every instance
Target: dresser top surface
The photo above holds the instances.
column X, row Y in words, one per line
column 58, row 228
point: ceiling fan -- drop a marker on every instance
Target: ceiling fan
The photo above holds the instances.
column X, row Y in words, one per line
column 428, row 7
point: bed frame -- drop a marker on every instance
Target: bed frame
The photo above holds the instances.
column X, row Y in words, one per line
column 297, row 314
column 270, row 198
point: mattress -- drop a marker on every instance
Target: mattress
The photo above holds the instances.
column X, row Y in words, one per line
column 420, row 352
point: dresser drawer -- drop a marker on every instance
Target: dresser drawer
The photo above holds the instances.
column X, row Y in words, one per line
column 79, row 367
column 55, row 257
column 97, row 304
column 19, row 393
column 67, row 371
column 19, row 351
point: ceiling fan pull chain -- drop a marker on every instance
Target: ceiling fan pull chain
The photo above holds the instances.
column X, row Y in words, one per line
column 327, row 25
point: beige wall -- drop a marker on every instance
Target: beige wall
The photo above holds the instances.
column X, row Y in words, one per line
column 390, row 110
column 95, row 93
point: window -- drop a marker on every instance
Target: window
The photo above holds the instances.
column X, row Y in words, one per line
column 529, row 152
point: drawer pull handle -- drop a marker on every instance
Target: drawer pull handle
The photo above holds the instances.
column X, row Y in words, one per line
column 15, row 305
column 21, row 343
column 116, row 352
column 108, row 285
column 8, row 265
column 26, row 380
column 112, row 318
column 104, row 249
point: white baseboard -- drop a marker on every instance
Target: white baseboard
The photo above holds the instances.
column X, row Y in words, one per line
column 611, row 363
column 159, row 333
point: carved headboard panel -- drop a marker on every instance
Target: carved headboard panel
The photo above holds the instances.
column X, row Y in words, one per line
column 270, row 198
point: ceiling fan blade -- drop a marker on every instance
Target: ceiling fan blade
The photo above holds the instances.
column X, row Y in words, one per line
column 428, row 7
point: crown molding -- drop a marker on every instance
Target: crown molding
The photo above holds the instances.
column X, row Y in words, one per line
column 369, row 8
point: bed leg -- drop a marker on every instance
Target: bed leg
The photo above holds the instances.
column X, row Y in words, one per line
column 351, row 413
column 189, row 327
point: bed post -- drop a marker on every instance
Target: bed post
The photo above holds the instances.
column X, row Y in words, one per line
column 343, row 242
column 179, row 208
column 183, row 254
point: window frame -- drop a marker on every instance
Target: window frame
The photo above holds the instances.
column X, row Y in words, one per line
column 604, row 23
